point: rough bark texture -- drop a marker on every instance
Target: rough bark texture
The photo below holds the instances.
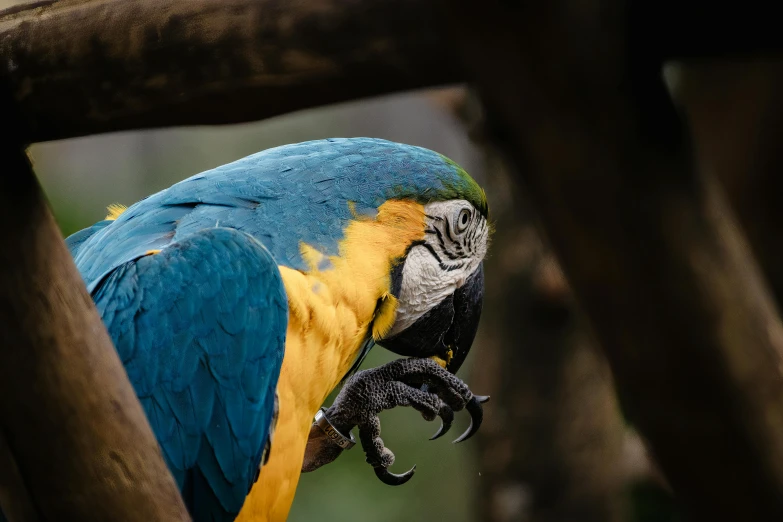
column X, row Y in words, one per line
column 74, row 441
column 649, row 248
column 87, row 66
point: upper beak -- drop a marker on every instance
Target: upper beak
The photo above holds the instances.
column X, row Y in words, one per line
column 447, row 331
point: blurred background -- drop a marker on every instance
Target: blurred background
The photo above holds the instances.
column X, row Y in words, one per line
column 554, row 445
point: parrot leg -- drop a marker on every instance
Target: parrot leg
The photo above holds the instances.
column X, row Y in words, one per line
column 420, row 383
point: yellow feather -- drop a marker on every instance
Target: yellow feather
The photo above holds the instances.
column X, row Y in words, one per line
column 385, row 316
column 326, row 329
column 441, row 361
column 311, row 256
column 115, row 209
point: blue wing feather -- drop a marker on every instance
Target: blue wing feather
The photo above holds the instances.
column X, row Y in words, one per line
column 75, row 241
column 187, row 323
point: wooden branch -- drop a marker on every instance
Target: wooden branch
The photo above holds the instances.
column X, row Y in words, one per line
column 89, row 66
column 736, row 112
column 649, row 248
column 74, row 441
column 81, row 67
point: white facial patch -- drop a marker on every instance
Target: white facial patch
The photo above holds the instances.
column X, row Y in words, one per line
column 454, row 245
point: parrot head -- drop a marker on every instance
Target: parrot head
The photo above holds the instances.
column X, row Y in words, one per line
column 439, row 284
column 357, row 197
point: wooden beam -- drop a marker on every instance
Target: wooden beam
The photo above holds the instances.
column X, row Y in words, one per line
column 649, row 248
column 735, row 110
column 74, row 441
column 89, row 66
column 80, row 67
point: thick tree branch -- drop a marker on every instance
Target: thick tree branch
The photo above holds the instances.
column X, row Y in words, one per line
column 649, row 248
column 736, row 113
column 81, row 67
column 88, row 66
column 74, row 441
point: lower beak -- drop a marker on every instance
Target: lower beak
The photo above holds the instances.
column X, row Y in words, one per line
column 447, row 331
column 468, row 301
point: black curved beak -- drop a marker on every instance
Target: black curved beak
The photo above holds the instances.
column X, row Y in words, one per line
column 446, row 331
column 468, row 302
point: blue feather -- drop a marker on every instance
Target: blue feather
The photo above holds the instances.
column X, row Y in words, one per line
column 75, row 241
column 191, row 380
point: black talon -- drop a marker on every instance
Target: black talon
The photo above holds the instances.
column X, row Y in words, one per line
column 446, row 419
column 392, row 479
column 476, row 416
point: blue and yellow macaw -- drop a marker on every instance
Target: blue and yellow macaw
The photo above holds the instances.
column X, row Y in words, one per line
column 239, row 298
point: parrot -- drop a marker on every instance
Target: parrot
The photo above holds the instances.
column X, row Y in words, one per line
column 239, row 298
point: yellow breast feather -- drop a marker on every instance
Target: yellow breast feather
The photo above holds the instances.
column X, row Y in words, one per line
column 333, row 307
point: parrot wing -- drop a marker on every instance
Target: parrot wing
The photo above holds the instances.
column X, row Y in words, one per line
column 200, row 327
column 75, row 241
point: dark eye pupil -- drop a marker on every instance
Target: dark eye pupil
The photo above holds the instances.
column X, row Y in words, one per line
column 464, row 218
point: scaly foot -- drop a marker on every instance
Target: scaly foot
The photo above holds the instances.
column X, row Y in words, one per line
column 420, row 383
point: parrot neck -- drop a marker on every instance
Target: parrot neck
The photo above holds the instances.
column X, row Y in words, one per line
column 341, row 300
column 332, row 307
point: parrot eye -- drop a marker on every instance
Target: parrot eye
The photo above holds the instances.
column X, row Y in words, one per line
column 463, row 218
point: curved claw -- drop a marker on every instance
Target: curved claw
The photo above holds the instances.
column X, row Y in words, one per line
column 482, row 398
column 392, row 479
column 446, row 415
column 476, row 416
